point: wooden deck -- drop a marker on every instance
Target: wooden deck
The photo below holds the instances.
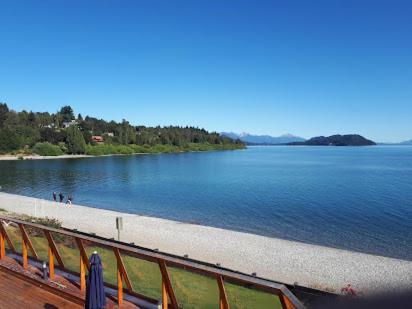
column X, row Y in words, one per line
column 24, row 288
column 17, row 293
column 119, row 294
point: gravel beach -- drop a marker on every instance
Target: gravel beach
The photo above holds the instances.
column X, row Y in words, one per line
column 37, row 157
column 271, row 258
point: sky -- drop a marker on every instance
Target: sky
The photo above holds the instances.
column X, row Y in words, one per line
column 266, row 67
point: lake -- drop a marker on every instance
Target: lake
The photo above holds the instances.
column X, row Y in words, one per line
column 356, row 198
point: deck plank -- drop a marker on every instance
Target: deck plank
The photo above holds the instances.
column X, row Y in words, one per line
column 16, row 293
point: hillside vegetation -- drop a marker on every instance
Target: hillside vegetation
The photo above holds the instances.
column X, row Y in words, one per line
column 53, row 134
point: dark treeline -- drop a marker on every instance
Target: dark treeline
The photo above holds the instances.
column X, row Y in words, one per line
column 63, row 132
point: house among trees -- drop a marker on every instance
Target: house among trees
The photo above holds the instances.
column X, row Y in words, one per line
column 70, row 123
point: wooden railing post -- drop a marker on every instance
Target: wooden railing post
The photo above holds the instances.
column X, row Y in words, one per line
column 167, row 289
column 6, row 237
column 24, row 252
column 84, row 262
column 82, row 275
column 2, row 245
column 53, row 248
column 164, row 296
column 119, row 285
column 27, row 242
column 51, row 263
column 223, row 303
column 121, row 275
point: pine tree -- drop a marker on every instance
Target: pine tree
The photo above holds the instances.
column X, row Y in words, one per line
column 4, row 110
column 75, row 141
column 66, row 113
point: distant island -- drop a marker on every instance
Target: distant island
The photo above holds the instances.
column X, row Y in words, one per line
column 62, row 133
column 336, row 140
column 292, row 140
column 251, row 139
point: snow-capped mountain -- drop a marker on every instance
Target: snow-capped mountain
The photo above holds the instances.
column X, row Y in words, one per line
column 263, row 139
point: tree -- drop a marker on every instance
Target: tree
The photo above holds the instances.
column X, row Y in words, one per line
column 79, row 117
column 44, row 119
column 28, row 136
column 87, row 136
column 31, row 118
column 67, row 114
column 9, row 141
column 52, row 136
column 75, row 141
column 4, row 110
column 127, row 133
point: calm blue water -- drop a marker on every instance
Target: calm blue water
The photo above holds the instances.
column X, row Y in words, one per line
column 344, row 197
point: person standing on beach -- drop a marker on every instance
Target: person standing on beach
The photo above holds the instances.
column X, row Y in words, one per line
column 69, row 199
column 61, row 196
column 54, row 196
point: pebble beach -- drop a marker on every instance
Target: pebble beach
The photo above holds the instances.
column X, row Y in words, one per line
column 271, row 258
column 37, row 157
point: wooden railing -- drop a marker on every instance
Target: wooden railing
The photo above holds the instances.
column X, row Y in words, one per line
column 286, row 297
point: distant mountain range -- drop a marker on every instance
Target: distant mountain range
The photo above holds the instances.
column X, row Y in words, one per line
column 396, row 144
column 251, row 139
column 337, row 140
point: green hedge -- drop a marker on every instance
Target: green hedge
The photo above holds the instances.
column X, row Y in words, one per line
column 47, row 149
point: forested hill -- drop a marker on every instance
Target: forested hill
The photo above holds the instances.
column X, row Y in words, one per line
column 62, row 132
column 337, row 140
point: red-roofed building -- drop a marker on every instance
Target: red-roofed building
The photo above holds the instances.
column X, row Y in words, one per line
column 97, row 138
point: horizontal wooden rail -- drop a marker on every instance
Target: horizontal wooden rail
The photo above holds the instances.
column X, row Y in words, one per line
column 287, row 298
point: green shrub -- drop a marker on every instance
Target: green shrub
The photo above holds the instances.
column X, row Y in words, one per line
column 47, row 149
column 62, row 146
column 106, row 149
column 99, row 150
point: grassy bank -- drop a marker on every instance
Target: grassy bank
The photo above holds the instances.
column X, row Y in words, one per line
column 107, row 149
column 192, row 290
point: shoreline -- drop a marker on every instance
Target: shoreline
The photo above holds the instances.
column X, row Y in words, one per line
column 80, row 156
column 37, row 157
column 271, row 258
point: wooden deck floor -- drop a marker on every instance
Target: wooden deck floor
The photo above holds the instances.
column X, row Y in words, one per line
column 21, row 288
column 16, row 293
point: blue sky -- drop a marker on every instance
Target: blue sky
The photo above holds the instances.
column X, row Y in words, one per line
column 266, row 67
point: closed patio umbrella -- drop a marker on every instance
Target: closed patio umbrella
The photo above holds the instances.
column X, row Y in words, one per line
column 95, row 297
